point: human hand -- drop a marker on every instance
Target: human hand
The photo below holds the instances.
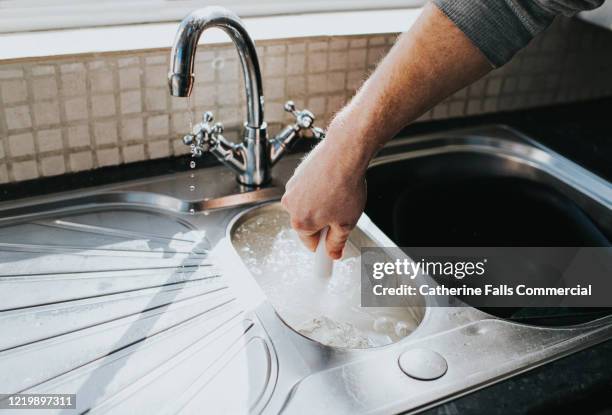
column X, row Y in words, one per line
column 327, row 189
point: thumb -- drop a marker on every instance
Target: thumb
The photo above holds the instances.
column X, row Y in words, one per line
column 336, row 239
column 311, row 240
column 308, row 232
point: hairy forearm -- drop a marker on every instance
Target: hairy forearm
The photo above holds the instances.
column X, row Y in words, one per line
column 427, row 64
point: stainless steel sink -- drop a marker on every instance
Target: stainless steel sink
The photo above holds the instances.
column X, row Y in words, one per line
column 501, row 183
column 121, row 296
column 489, row 190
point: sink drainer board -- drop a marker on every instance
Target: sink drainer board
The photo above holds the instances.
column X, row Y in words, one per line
column 100, row 303
column 141, row 308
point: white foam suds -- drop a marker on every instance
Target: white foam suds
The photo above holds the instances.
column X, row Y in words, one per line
column 324, row 309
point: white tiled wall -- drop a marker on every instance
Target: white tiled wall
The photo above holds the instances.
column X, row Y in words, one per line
column 69, row 114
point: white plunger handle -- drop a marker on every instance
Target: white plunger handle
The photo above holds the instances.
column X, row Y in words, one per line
column 323, row 264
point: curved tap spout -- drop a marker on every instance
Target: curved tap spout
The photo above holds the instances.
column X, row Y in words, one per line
column 181, row 76
column 253, row 158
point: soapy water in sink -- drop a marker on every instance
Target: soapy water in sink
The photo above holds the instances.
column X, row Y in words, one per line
column 324, row 309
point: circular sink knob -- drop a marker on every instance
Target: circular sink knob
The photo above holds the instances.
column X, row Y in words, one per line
column 423, row 364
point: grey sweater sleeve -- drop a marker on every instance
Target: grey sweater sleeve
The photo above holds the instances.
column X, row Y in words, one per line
column 500, row 28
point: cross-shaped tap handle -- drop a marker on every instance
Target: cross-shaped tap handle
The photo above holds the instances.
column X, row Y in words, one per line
column 204, row 135
column 304, row 120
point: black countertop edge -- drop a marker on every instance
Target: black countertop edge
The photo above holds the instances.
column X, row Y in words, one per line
column 580, row 131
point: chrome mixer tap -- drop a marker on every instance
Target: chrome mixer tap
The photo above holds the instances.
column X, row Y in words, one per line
column 254, row 157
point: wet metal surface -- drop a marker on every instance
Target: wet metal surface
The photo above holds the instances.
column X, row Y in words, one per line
column 121, row 296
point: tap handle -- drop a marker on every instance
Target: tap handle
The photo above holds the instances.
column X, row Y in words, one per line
column 208, row 117
column 204, row 135
column 188, row 139
column 318, row 133
column 304, row 120
column 290, row 107
column 206, row 125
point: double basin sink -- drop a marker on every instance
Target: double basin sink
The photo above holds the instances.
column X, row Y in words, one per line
column 119, row 295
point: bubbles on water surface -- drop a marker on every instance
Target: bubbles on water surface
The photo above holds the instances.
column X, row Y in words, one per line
column 327, row 311
column 332, row 333
column 383, row 324
column 402, row 328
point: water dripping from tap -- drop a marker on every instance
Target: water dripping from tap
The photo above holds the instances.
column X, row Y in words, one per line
column 192, row 163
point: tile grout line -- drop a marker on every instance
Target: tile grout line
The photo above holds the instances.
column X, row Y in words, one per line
column 27, row 76
column 118, row 107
